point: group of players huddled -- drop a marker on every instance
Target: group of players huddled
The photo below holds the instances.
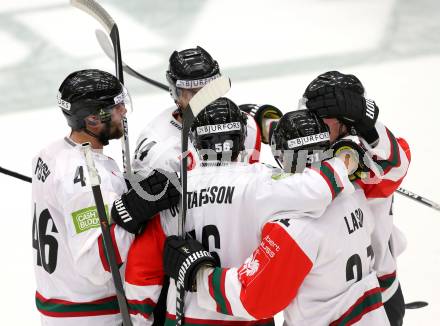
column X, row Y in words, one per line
column 313, row 238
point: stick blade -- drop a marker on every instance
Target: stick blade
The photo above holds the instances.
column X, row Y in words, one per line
column 209, row 93
column 95, row 10
column 104, row 43
column 416, row 305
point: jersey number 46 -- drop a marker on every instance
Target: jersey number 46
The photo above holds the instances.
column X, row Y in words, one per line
column 45, row 244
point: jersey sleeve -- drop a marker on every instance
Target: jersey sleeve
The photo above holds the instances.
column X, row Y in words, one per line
column 155, row 153
column 152, row 153
column 83, row 229
column 144, row 272
column 393, row 156
column 267, row 281
column 305, row 194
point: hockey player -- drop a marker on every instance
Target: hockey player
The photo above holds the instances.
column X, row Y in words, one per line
column 74, row 285
column 320, row 269
column 159, row 145
column 340, row 100
column 228, row 201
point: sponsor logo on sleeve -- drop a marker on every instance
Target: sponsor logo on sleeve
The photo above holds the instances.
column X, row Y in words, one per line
column 86, row 219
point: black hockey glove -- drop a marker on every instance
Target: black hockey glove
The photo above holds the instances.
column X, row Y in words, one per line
column 183, row 258
column 133, row 210
column 260, row 113
column 354, row 156
column 351, row 108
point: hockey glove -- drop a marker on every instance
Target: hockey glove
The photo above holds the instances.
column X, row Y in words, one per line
column 354, row 157
column 351, row 108
column 265, row 116
column 183, row 258
column 132, row 210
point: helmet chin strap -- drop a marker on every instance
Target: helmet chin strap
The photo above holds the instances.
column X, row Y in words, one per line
column 103, row 136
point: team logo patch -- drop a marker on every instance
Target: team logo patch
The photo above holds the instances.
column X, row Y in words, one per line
column 253, row 266
column 86, row 219
column 250, row 266
column 312, row 139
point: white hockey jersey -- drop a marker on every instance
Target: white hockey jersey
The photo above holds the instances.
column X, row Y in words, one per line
column 320, row 271
column 227, row 207
column 393, row 156
column 74, row 285
column 159, row 145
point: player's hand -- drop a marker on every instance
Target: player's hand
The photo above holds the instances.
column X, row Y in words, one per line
column 183, row 258
column 265, row 116
column 135, row 208
column 351, row 108
column 353, row 156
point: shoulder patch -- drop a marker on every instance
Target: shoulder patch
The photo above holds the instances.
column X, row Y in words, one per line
column 86, row 219
column 41, row 170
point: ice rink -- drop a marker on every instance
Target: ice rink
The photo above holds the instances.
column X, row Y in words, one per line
column 271, row 51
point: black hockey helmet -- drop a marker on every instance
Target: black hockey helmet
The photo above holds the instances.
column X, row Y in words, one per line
column 220, row 129
column 300, row 139
column 190, row 68
column 87, row 92
column 335, row 78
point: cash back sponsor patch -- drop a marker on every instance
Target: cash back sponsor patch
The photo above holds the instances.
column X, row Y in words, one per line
column 86, row 219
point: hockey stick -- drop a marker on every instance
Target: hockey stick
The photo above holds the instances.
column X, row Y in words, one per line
column 108, row 50
column 15, row 175
column 418, row 198
column 108, row 244
column 416, row 305
column 209, row 93
column 100, row 14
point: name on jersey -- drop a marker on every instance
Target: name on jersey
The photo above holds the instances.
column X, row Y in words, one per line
column 355, row 221
column 86, row 219
column 211, row 195
column 41, row 170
